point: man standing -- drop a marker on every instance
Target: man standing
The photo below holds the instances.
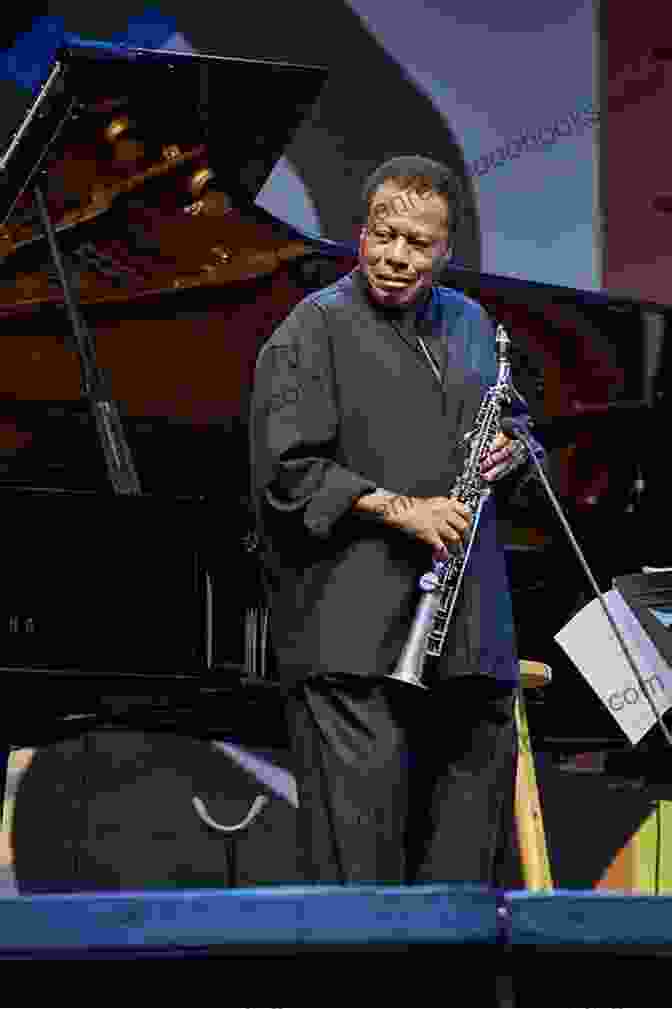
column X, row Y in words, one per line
column 362, row 398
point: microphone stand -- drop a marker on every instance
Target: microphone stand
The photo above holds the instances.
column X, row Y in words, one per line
column 515, row 429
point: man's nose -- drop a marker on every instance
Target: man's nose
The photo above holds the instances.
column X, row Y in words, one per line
column 398, row 252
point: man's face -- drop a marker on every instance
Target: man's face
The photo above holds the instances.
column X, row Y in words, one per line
column 404, row 241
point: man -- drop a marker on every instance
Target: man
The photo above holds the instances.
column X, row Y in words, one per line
column 361, row 401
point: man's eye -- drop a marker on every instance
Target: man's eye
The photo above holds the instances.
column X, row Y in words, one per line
column 386, row 236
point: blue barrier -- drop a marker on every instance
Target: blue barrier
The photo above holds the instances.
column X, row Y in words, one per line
column 298, row 916
column 589, row 918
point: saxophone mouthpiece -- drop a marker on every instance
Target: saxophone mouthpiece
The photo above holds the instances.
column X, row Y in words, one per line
column 502, row 340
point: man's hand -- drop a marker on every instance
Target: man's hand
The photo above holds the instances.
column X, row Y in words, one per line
column 438, row 521
column 505, row 455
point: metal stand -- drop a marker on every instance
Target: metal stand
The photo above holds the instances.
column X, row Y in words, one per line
column 516, row 430
column 256, row 638
column 94, row 381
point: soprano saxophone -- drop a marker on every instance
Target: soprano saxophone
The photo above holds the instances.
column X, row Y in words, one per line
column 440, row 587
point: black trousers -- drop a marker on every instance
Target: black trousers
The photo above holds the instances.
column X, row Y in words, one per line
column 399, row 785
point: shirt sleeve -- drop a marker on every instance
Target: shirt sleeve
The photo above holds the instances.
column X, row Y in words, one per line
column 294, row 426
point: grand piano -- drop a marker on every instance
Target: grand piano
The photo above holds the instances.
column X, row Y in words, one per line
column 141, row 607
column 133, row 602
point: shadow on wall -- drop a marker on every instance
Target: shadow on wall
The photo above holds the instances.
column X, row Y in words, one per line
column 370, row 110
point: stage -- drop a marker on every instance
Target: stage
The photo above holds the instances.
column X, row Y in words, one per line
column 448, row 931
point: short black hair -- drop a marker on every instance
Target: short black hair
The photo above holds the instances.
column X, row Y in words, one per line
column 423, row 175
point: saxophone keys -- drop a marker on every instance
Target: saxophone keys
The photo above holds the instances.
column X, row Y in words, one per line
column 429, row 582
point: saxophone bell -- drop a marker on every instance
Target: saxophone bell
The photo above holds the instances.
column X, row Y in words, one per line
column 407, row 677
column 410, row 665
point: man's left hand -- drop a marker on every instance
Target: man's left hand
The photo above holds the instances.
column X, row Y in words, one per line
column 505, row 455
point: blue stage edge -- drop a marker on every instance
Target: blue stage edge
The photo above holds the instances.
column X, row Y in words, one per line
column 591, row 920
column 309, row 918
column 269, row 917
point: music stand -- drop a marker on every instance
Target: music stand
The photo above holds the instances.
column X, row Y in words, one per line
column 649, row 596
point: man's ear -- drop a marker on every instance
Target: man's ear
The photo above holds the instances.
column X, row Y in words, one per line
column 362, row 237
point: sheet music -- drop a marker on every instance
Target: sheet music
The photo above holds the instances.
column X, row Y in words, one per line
column 591, row 644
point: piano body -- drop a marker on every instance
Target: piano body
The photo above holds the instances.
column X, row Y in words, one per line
column 150, row 186
column 130, row 610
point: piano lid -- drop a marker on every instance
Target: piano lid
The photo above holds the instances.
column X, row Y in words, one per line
column 155, row 111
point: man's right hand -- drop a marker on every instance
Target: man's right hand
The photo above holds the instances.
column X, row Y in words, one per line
column 440, row 522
